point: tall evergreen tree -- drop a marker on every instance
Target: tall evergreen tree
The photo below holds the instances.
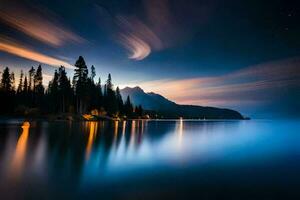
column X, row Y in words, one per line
column 109, row 85
column 13, row 81
column 6, row 82
column 80, row 80
column 20, row 86
column 6, row 92
column 93, row 73
column 31, row 78
column 99, row 86
column 53, row 93
column 99, row 94
column 119, row 100
column 38, row 81
column 24, row 94
column 38, row 89
column 128, row 108
column 25, row 86
column 64, row 89
column 111, row 104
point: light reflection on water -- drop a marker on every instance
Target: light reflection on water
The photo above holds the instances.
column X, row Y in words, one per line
column 20, row 153
column 85, row 155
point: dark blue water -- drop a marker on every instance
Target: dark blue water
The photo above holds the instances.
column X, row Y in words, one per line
column 257, row 159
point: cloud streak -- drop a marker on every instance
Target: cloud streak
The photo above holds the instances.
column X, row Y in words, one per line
column 137, row 47
column 42, row 28
column 13, row 48
column 137, row 37
column 155, row 25
column 253, row 85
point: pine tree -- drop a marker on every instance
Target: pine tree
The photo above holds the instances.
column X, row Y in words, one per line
column 64, row 89
column 6, row 92
column 53, row 93
column 38, row 81
column 80, row 80
column 25, row 86
column 99, row 94
column 20, row 86
column 99, row 87
column 128, row 108
column 111, row 104
column 31, row 79
column 109, row 85
column 119, row 100
column 6, row 82
column 24, row 98
column 12, row 80
column 93, row 73
column 53, row 84
column 38, row 89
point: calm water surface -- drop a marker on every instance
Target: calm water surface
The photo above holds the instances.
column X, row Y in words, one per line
column 257, row 159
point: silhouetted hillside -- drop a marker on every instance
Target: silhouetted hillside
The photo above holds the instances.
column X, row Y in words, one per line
column 169, row 109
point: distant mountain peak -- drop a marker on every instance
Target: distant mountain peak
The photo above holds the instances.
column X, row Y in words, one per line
column 157, row 102
column 133, row 89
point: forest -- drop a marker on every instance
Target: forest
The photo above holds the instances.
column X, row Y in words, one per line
column 81, row 95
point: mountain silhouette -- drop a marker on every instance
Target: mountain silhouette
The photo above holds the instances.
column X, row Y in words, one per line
column 169, row 109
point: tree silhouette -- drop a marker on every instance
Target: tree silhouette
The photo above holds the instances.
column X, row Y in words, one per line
column 111, row 105
column 6, row 82
column 12, row 79
column 31, row 78
column 64, row 89
column 128, row 108
column 93, row 73
column 80, row 80
column 61, row 96
column 20, row 86
column 25, row 86
column 38, row 81
column 7, row 92
column 119, row 101
column 53, row 93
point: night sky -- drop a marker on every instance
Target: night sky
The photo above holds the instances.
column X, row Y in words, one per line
column 242, row 54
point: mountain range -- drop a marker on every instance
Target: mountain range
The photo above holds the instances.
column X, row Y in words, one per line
column 169, row 109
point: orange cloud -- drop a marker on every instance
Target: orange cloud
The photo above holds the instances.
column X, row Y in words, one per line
column 44, row 29
column 252, row 84
column 18, row 50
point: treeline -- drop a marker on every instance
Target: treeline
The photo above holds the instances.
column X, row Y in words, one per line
column 80, row 96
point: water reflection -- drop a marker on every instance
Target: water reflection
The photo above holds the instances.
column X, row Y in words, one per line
column 93, row 128
column 123, row 127
column 179, row 131
column 20, row 152
column 132, row 134
column 93, row 154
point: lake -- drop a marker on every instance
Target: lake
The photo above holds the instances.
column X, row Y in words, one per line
column 253, row 159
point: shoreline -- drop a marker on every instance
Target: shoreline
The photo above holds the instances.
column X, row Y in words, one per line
column 80, row 118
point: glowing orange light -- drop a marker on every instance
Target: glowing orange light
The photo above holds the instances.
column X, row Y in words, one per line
column 20, row 152
column 124, row 128
column 93, row 130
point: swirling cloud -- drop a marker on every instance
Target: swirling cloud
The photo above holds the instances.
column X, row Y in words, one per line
column 155, row 25
column 138, row 48
column 137, row 38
